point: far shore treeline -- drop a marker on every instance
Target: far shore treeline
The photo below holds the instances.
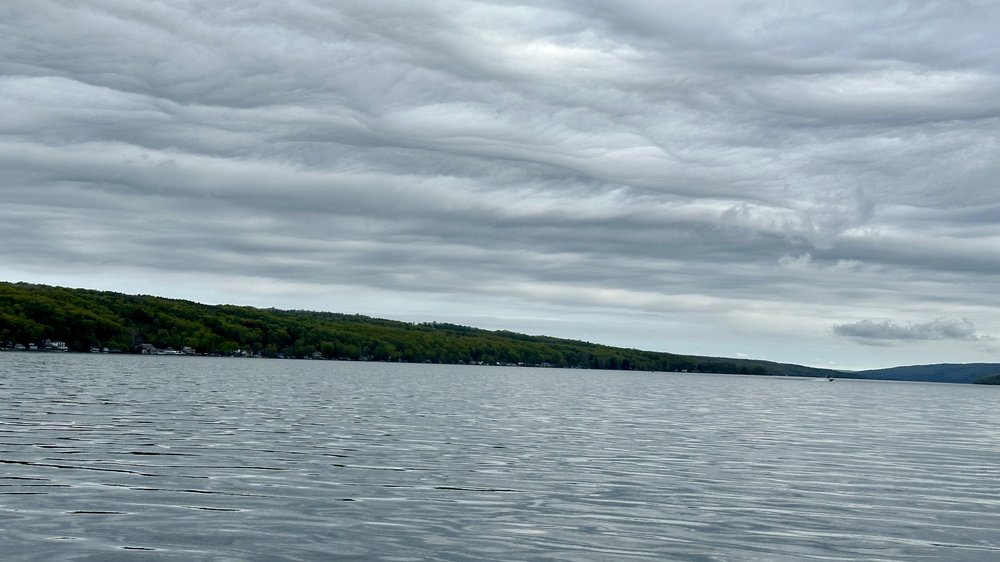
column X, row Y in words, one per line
column 42, row 317
column 87, row 320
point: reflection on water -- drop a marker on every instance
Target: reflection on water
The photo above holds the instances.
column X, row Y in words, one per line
column 114, row 457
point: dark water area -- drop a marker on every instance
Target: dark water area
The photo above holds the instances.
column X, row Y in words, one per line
column 179, row 458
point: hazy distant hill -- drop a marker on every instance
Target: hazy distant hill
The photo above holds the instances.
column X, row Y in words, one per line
column 960, row 373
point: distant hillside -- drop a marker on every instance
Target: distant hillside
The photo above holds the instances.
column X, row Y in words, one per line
column 992, row 379
column 781, row 369
column 85, row 320
column 955, row 373
column 57, row 318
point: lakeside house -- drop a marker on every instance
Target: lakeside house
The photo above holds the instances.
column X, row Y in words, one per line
column 47, row 345
column 51, row 345
column 150, row 349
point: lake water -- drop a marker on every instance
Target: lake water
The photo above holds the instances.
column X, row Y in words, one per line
column 177, row 458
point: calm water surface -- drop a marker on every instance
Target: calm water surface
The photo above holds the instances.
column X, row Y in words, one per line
column 177, row 458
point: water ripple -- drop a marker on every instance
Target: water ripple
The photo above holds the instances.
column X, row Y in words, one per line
column 109, row 456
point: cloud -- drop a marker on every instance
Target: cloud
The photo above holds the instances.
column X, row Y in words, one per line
column 887, row 331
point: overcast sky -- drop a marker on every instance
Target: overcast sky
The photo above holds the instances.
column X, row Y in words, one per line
column 807, row 182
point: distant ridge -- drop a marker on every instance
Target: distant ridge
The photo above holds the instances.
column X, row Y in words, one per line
column 58, row 318
column 945, row 372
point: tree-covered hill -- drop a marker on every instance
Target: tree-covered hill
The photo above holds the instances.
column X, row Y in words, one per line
column 991, row 379
column 947, row 372
column 87, row 319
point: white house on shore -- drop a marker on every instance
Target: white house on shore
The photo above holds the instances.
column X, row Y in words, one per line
column 50, row 345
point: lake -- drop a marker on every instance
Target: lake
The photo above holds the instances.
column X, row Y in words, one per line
column 106, row 457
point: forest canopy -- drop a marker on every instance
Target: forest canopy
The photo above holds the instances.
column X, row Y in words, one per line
column 88, row 320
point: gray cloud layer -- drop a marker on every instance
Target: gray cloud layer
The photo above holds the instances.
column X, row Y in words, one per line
column 886, row 331
column 765, row 170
